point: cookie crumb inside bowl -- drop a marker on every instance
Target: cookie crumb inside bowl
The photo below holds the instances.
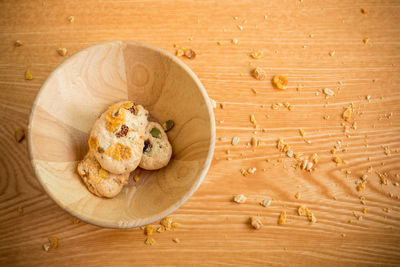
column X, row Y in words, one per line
column 80, row 89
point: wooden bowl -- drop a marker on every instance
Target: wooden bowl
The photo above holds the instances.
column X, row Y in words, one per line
column 80, row 89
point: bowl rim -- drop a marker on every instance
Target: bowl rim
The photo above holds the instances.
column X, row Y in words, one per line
column 186, row 196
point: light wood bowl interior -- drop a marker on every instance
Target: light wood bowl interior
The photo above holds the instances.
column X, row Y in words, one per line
column 80, row 89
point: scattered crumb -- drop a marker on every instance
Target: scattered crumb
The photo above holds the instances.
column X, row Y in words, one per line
column 46, row 247
column 257, row 54
column 136, row 178
column 298, row 195
column 239, row 199
column 328, row 92
column 251, row 170
column 175, row 225
column 18, row 43
column 53, row 241
column 235, row 41
column 304, row 211
column 387, row 210
column 259, row 73
column 364, row 210
column 219, row 43
column 75, row 220
column 28, row 75
column 280, row 82
column 332, row 53
column 149, row 241
column 364, row 11
column 20, row 210
column 256, row 222
column 266, row 202
column 302, row 132
column 71, row 19
column 62, row 51
column 360, row 186
column 19, row 135
column 253, row 119
column 343, row 235
column 254, row 91
column 337, row 160
column 190, row 54
column 222, row 105
column 148, row 230
column 382, row 177
column 244, row 172
column 176, row 240
column 282, row 218
column 365, row 40
column 235, row 140
column 347, row 113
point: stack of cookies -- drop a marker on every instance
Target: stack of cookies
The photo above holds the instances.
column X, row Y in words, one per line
column 121, row 140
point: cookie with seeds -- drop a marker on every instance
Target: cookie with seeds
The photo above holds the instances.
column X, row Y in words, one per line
column 157, row 150
column 99, row 181
column 117, row 137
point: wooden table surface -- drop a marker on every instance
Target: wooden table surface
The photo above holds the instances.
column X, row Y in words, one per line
column 296, row 38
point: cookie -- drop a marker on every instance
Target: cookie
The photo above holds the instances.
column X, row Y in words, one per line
column 157, row 150
column 99, row 181
column 117, row 137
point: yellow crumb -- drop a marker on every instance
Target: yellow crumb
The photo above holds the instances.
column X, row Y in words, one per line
column 253, row 119
column 364, row 11
column 302, row 132
column 364, row 210
column 176, row 240
column 333, row 151
column 53, row 241
column 136, row 178
column 347, row 113
column 337, row 160
column 75, row 221
column 180, row 52
column 282, row 218
column 28, row 75
column 166, row 222
column 365, row 40
column 149, row 241
column 382, row 177
column 298, row 195
column 280, row 82
column 148, row 229
column 257, row 54
column 361, row 186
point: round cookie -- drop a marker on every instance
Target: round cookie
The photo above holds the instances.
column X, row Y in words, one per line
column 99, row 181
column 117, row 137
column 157, row 150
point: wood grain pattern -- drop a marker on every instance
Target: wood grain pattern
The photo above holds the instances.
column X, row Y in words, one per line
column 296, row 39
